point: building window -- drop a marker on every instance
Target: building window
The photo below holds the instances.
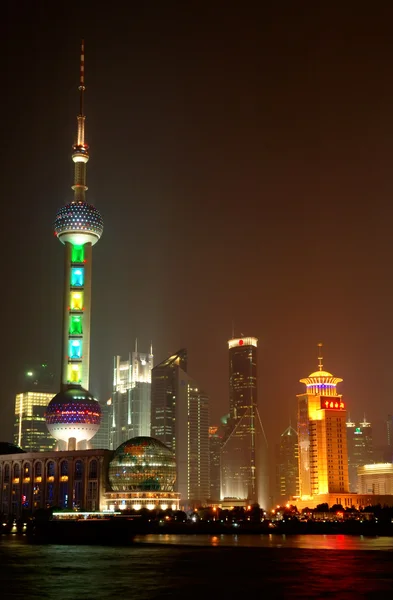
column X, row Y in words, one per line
column 38, row 469
column 78, row 470
column 93, row 469
column 7, row 474
column 50, row 469
column 16, row 471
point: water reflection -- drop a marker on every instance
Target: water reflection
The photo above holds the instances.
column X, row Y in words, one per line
column 308, row 542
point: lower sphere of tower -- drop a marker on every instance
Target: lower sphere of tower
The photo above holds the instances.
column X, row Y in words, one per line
column 79, row 221
column 73, row 413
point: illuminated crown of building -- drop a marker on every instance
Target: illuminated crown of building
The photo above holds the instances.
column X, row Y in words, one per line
column 321, row 383
column 244, row 341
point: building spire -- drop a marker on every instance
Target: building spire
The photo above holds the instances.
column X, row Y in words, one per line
column 81, row 87
column 80, row 152
column 320, row 357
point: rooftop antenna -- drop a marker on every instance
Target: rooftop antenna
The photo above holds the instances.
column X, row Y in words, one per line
column 320, row 357
column 233, row 329
column 136, row 345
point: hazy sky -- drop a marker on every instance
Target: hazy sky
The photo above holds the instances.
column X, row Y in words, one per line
column 242, row 162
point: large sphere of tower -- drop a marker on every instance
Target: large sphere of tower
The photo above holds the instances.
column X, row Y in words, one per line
column 79, row 223
column 73, row 413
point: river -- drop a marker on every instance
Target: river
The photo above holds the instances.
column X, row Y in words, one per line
column 203, row 567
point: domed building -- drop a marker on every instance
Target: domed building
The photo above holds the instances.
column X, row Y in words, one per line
column 73, row 416
column 142, row 473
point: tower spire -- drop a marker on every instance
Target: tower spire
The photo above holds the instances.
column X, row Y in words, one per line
column 81, row 87
column 320, row 357
column 80, row 153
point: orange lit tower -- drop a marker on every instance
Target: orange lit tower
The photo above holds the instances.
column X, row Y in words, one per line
column 322, row 436
column 73, row 416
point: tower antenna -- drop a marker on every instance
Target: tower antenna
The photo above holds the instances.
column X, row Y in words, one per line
column 81, row 87
column 320, row 357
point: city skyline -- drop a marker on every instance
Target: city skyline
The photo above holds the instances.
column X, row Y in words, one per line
column 286, row 154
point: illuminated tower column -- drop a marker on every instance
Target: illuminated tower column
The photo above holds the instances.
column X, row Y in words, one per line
column 78, row 226
column 244, row 466
column 322, row 436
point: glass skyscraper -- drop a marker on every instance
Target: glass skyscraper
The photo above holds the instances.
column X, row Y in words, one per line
column 180, row 419
column 30, row 430
column 130, row 403
column 244, row 467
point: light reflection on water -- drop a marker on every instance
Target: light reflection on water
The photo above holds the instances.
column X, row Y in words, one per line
column 308, row 542
column 200, row 566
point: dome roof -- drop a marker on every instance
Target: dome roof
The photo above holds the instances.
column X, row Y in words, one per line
column 79, row 219
column 73, row 413
column 8, row 448
column 321, row 374
column 142, row 464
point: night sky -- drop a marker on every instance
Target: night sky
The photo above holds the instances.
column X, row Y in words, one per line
column 242, row 161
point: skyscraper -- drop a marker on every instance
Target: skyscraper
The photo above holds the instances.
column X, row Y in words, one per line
column 215, row 441
column 360, row 449
column 31, row 432
column 180, row 419
column 323, row 456
column 287, row 466
column 102, row 439
column 37, row 390
column 78, row 226
column 244, row 468
column 130, row 403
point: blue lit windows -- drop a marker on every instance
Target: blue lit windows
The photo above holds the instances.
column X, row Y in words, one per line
column 77, row 276
column 75, row 349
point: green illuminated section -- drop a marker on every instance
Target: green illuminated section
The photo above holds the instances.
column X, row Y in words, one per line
column 76, row 325
column 77, row 254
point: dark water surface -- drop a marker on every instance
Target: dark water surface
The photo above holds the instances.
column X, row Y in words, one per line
column 200, row 567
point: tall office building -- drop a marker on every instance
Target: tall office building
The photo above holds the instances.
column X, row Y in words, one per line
column 180, row 419
column 37, row 390
column 389, row 433
column 244, row 467
column 130, row 403
column 102, row 439
column 287, row 466
column 73, row 415
column 360, row 450
column 215, row 441
column 322, row 436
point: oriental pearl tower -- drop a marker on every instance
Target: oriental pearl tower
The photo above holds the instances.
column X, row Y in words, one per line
column 73, row 415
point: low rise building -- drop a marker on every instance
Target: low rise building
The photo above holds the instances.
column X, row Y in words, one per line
column 376, row 479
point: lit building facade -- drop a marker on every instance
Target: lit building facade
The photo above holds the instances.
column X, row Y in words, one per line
column 139, row 474
column 215, row 441
column 322, row 436
column 68, row 480
column 376, row 479
column 288, row 466
column 180, row 419
column 142, row 474
column 103, row 436
column 360, row 449
column 130, row 407
column 78, row 226
column 244, row 466
column 31, row 432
